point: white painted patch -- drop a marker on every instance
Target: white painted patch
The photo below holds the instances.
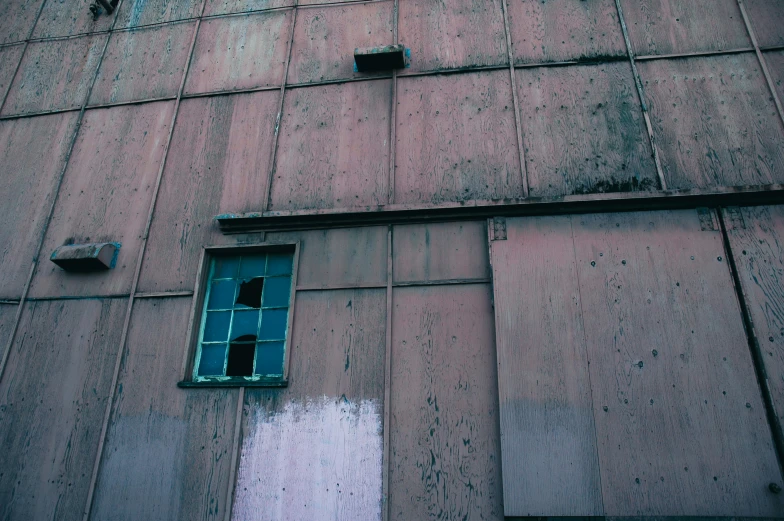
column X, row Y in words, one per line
column 314, row 461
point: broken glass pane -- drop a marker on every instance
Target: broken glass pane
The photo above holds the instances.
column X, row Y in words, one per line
column 252, row 266
column 273, row 324
column 240, row 361
column 279, row 263
column 222, row 294
column 269, row 358
column 250, row 293
column 276, row 292
column 216, row 326
column 245, row 323
column 212, row 358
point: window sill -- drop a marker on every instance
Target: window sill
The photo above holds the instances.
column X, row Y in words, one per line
column 187, row 384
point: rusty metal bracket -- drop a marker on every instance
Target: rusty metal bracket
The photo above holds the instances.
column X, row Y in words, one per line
column 499, row 229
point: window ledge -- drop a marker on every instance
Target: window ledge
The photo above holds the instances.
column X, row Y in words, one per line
column 187, row 384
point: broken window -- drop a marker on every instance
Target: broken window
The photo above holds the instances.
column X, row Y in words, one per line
column 245, row 318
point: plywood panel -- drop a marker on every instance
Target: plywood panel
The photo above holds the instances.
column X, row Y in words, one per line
column 714, row 121
column 440, row 251
column 548, row 439
column 677, row 26
column 767, row 19
column 564, row 30
column 105, row 196
column 168, row 450
column 240, row 52
column 229, row 174
column 339, row 257
column 7, row 319
column 333, row 147
column 757, row 243
column 452, row 35
column 54, row 75
column 775, row 62
column 52, row 401
column 134, row 13
column 65, row 18
column 325, row 39
column 456, row 138
column 445, row 461
column 143, row 64
column 318, row 2
column 32, row 153
column 17, row 18
column 590, row 138
column 314, row 450
column 680, row 421
column 9, row 59
column 215, row 7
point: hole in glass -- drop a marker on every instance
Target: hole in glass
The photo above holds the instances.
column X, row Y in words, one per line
column 250, row 293
column 241, row 351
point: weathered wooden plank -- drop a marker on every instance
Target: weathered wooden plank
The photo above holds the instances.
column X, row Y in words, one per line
column 456, row 138
column 233, row 135
column 17, row 18
column 340, row 257
column 548, row 438
column 146, row 12
column 52, row 401
column 318, row 2
column 445, row 458
column 32, row 153
column 216, row 7
column 240, row 52
column 54, row 75
column 314, row 450
column 325, row 39
column 7, row 319
column 715, row 121
column 452, row 35
column 680, row 422
column 562, row 30
column 757, row 242
column 767, row 19
column 63, row 18
column 105, row 196
column 440, row 251
column 775, row 62
column 333, row 149
column 143, row 64
column 167, row 451
column 589, row 139
column 9, row 59
column 677, row 26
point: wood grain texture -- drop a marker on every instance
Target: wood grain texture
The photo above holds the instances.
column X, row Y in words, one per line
column 32, row 155
column 445, row 461
column 758, row 248
column 105, row 196
column 52, row 400
column 767, row 19
column 715, row 121
column 167, row 451
column 54, row 75
column 775, row 62
column 233, row 135
column 325, row 39
column 7, row 319
column 548, row 437
column 9, row 59
column 561, row 30
column 17, row 18
column 143, row 64
column 452, row 35
column 584, row 131
column 456, row 138
column 146, row 12
column 320, row 2
column 440, row 251
column 240, row 52
column 314, row 449
column 65, row 18
column 333, row 147
column 216, row 7
column 678, row 26
column 339, row 257
column 680, row 422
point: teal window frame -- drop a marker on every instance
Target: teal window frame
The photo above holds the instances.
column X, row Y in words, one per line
column 199, row 313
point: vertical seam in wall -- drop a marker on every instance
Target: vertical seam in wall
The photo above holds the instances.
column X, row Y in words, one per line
column 393, row 113
column 761, row 58
column 58, row 185
column 515, row 102
column 235, row 453
column 385, row 464
column 279, row 118
column 138, row 268
column 21, row 57
column 641, row 94
column 754, row 348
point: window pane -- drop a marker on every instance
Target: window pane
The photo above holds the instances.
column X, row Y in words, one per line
column 273, row 324
column 245, row 324
column 226, row 267
column 212, row 357
column 249, row 295
column 269, row 358
column 216, row 326
column 252, row 266
column 222, row 294
column 276, row 292
column 279, row 263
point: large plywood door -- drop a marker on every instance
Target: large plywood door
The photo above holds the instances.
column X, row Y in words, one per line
column 625, row 378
